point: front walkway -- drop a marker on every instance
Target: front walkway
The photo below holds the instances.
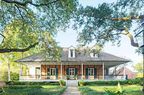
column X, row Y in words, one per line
column 72, row 88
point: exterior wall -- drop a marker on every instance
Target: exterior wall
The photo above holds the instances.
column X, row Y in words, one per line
column 99, row 71
column 32, row 69
column 43, row 71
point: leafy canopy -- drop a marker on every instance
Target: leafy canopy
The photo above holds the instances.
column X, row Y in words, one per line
column 97, row 24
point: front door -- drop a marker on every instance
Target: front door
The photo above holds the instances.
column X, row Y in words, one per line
column 90, row 73
column 71, row 73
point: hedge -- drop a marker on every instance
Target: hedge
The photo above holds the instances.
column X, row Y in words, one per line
column 114, row 82
column 31, row 83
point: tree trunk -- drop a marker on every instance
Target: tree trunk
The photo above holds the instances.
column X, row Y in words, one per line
column 9, row 79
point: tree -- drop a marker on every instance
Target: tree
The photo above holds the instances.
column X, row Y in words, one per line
column 98, row 24
column 35, row 16
column 139, row 67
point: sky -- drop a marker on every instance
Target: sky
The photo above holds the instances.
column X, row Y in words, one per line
column 125, row 50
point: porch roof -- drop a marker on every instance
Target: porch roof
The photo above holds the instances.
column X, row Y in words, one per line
column 79, row 57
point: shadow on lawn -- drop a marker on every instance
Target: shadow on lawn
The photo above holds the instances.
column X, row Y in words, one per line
column 33, row 90
column 88, row 91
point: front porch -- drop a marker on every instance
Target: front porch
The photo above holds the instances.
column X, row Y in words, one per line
column 51, row 72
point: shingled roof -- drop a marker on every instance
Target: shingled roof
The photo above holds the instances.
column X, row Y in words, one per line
column 79, row 56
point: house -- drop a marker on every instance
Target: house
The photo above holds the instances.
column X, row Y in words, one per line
column 74, row 64
column 126, row 71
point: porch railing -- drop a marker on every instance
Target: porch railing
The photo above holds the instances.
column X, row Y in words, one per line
column 39, row 77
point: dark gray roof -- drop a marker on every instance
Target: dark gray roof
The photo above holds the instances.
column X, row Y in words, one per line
column 79, row 56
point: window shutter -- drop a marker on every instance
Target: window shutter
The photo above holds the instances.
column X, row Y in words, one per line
column 67, row 71
column 95, row 72
column 56, row 73
column 48, row 71
column 76, row 71
column 86, row 73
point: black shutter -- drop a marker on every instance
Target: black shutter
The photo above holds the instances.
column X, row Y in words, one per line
column 56, row 73
column 48, row 73
column 67, row 71
column 76, row 71
column 86, row 73
column 95, row 72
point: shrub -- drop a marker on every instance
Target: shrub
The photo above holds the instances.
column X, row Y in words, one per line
column 14, row 76
column 115, row 91
column 122, row 82
column 31, row 83
column 62, row 82
column 82, row 83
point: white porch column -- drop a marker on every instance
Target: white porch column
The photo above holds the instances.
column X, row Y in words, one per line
column 20, row 72
column 103, row 70
column 40, row 72
column 82, row 70
column 124, row 73
column 61, row 71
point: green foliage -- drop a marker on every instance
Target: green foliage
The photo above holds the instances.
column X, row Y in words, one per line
column 3, row 76
column 100, row 90
column 31, row 83
column 123, row 82
column 34, row 90
column 81, row 83
column 14, row 76
column 62, row 82
column 139, row 67
column 87, row 91
column 41, row 15
column 115, row 91
column 96, row 24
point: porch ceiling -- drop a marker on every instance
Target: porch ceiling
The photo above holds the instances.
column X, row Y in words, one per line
column 107, row 64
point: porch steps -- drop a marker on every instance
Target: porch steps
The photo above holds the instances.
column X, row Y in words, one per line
column 72, row 83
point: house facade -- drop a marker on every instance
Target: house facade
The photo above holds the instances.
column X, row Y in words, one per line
column 125, row 70
column 73, row 65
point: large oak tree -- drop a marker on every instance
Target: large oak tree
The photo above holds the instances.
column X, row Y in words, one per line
column 34, row 16
column 106, row 22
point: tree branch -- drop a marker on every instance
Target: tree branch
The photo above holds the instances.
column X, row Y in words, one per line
column 2, row 35
column 29, row 2
column 6, row 50
column 17, row 2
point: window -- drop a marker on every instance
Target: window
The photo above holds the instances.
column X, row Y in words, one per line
column 71, row 53
column 91, row 71
column 52, row 71
column 71, row 71
column 38, row 72
column 94, row 54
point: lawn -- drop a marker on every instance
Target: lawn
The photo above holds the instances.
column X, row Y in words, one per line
column 100, row 90
column 34, row 90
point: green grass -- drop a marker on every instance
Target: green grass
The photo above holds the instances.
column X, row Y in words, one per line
column 100, row 90
column 34, row 90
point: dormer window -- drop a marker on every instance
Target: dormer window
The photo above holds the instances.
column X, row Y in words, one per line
column 71, row 53
column 94, row 54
